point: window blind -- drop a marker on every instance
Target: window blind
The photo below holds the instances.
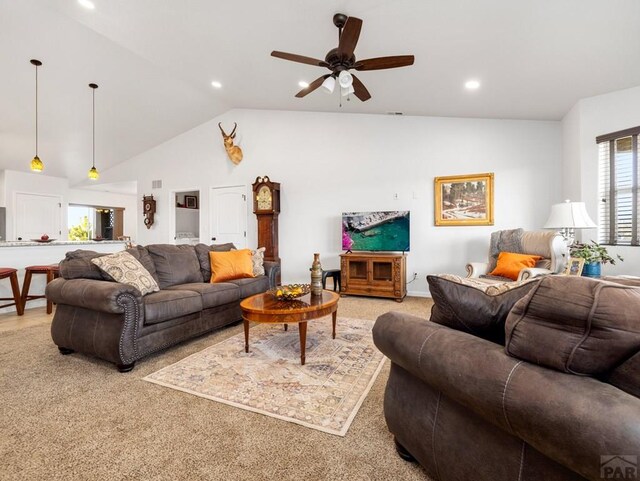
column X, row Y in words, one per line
column 618, row 187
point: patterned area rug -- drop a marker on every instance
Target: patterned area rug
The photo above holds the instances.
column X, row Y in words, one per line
column 324, row 394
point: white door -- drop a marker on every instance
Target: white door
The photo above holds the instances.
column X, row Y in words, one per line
column 37, row 215
column 229, row 215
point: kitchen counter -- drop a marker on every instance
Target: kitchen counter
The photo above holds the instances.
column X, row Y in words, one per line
column 20, row 254
column 58, row 243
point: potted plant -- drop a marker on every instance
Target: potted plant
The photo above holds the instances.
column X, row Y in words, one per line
column 594, row 256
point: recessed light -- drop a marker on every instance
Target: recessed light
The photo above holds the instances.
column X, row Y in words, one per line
column 303, row 84
column 216, row 84
column 472, row 85
column 87, row 4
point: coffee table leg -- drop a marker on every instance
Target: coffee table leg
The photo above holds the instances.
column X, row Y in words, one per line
column 286, row 327
column 303, row 340
column 246, row 335
column 334, row 317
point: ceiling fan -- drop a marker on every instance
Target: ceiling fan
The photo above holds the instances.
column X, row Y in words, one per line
column 341, row 59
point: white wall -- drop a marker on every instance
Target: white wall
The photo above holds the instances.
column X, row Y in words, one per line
column 15, row 181
column 329, row 163
column 589, row 118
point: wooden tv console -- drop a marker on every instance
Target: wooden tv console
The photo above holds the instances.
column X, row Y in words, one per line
column 374, row 274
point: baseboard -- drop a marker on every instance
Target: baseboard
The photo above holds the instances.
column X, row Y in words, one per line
column 418, row 293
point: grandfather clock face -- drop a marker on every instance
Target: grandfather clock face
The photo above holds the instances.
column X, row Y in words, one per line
column 264, row 199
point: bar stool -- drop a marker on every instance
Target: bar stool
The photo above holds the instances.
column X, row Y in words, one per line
column 15, row 287
column 51, row 272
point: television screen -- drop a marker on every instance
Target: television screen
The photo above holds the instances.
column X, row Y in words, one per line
column 375, row 231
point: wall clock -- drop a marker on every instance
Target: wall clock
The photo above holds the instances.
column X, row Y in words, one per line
column 266, row 206
column 148, row 210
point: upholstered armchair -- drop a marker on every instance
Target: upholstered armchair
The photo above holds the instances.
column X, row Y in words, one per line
column 549, row 245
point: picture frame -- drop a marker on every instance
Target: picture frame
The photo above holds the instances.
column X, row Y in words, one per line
column 191, row 201
column 464, row 200
column 574, row 266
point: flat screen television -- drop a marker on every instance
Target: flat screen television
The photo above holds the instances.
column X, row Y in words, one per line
column 376, row 231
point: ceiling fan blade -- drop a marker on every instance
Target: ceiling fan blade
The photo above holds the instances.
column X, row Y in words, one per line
column 349, row 37
column 299, row 58
column 360, row 90
column 312, row 86
column 381, row 63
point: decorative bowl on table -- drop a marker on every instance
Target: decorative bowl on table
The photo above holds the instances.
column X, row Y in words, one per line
column 43, row 241
column 290, row 291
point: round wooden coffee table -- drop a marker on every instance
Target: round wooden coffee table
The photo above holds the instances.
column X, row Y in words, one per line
column 267, row 309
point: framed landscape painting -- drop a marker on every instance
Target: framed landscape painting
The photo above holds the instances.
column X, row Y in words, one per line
column 464, row 200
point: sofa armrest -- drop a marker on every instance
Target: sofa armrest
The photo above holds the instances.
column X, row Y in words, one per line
column 531, row 272
column 271, row 270
column 477, row 269
column 103, row 296
column 571, row 419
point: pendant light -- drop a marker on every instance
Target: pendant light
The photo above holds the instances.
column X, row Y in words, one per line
column 93, row 172
column 36, row 163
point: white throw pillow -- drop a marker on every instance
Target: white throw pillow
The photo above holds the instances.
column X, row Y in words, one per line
column 257, row 259
column 125, row 269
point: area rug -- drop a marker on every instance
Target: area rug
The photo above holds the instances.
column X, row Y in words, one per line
column 324, row 394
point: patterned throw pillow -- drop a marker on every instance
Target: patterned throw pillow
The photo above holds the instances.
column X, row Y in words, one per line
column 257, row 259
column 124, row 268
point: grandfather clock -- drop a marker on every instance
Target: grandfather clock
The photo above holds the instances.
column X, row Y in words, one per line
column 266, row 207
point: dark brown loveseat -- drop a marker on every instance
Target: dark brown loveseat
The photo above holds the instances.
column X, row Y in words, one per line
column 559, row 401
column 116, row 323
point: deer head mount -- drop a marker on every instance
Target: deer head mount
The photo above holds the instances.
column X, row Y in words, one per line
column 233, row 151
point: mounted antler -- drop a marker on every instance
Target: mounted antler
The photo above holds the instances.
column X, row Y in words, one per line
column 233, row 151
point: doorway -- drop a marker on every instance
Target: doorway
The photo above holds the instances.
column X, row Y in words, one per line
column 187, row 216
column 229, row 215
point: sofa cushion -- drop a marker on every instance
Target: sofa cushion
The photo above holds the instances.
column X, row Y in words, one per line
column 213, row 295
column 169, row 304
column 122, row 267
column 77, row 265
column 576, row 325
column 202, row 251
column 141, row 254
column 473, row 305
column 226, row 266
column 251, row 286
column 175, row 264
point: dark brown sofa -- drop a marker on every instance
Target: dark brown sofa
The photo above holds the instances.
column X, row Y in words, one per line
column 116, row 323
column 558, row 402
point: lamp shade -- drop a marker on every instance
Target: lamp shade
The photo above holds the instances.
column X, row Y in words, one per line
column 329, row 84
column 345, row 79
column 346, row 91
column 569, row 215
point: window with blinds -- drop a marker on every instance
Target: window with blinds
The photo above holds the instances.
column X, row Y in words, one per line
column 618, row 187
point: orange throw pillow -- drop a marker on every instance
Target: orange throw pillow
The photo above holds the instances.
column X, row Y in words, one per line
column 226, row 266
column 510, row 264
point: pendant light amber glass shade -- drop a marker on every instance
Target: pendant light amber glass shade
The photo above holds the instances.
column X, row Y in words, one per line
column 36, row 164
column 93, row 172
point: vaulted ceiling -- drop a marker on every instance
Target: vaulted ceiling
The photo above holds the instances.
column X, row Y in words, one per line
column 154, row 61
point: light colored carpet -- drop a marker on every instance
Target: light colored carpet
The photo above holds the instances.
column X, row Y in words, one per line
column 324, row 394
column 77, row 418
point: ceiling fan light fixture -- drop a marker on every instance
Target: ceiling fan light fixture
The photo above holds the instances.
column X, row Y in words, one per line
column 345, row 79
column 329, row 84
column 303, row 84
